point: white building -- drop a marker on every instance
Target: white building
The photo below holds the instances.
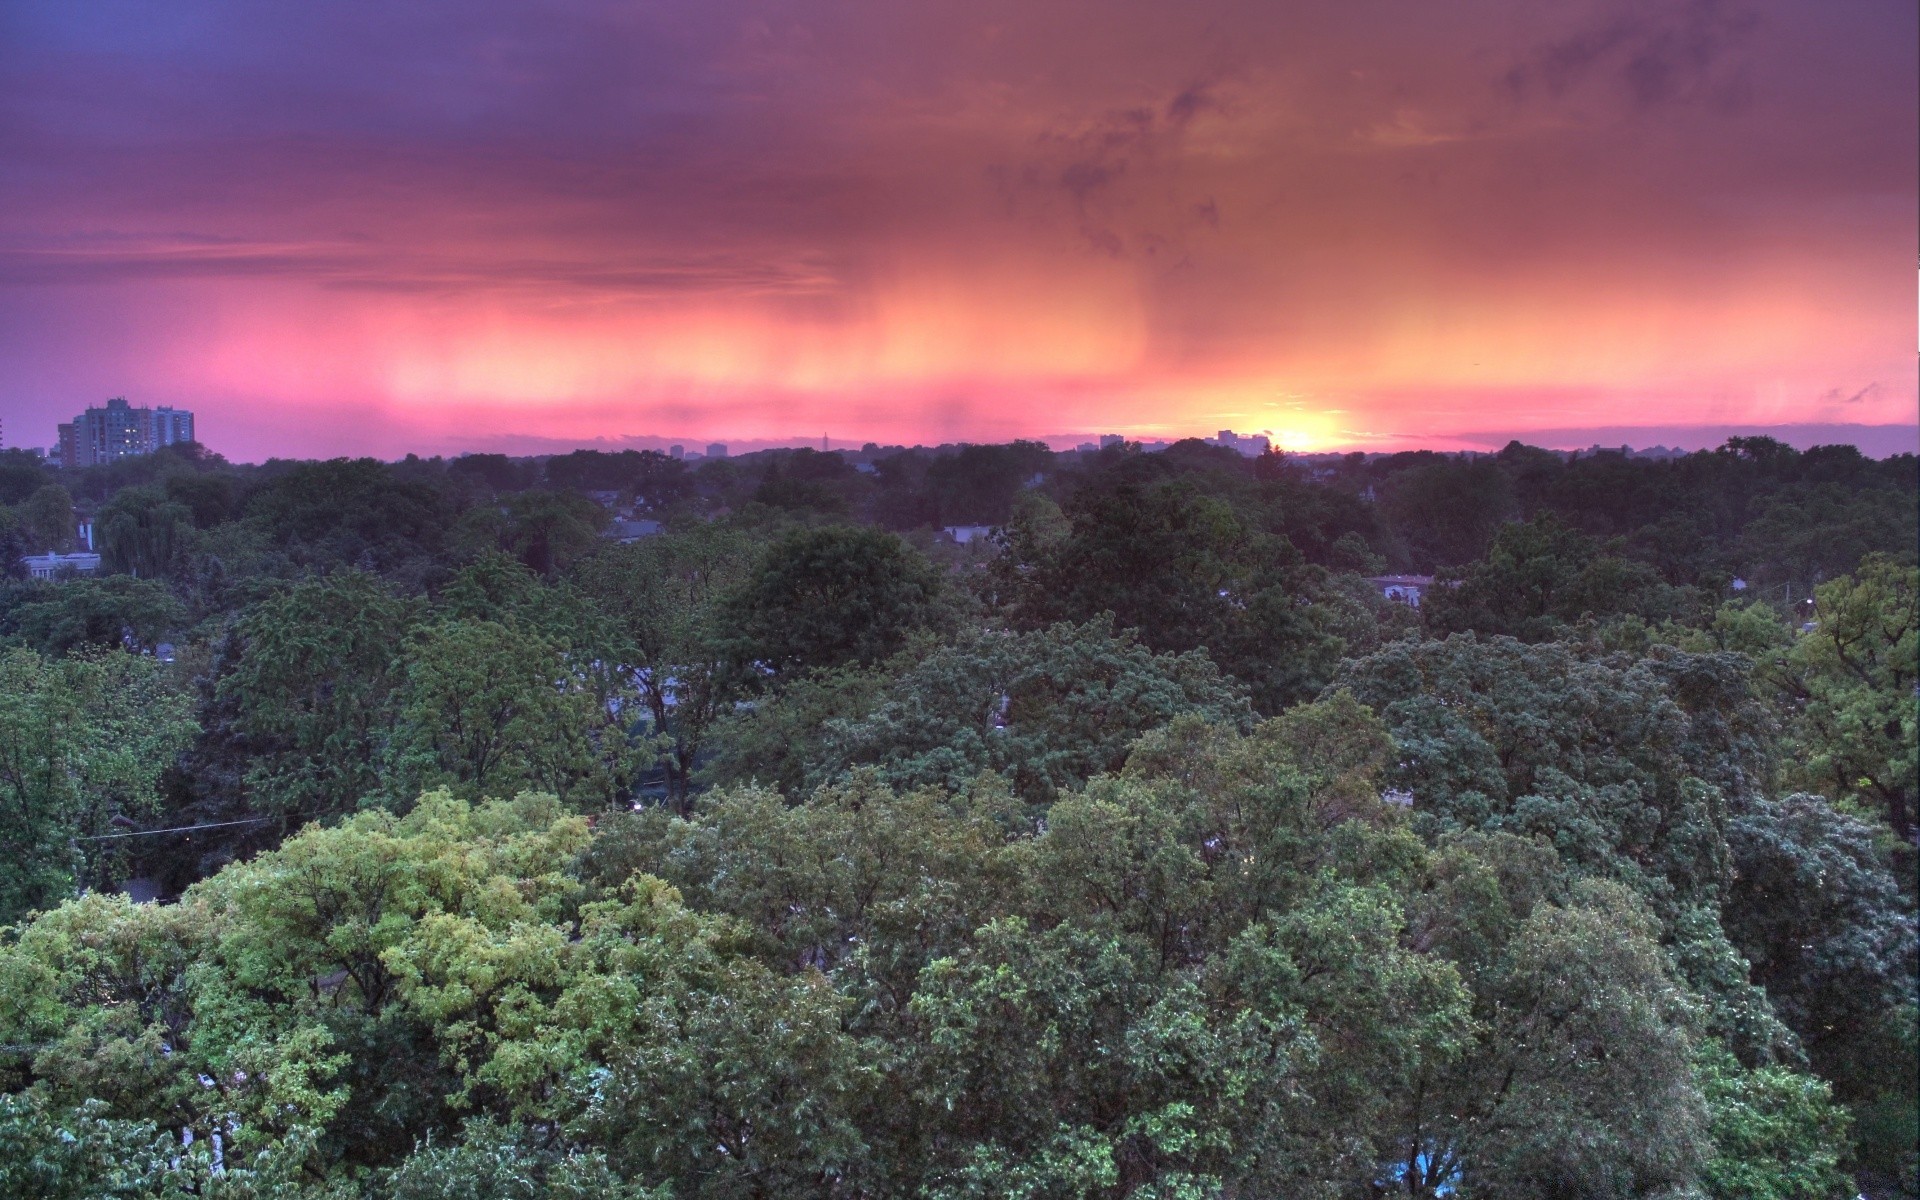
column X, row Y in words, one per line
column 52, row 566
column 1407, row 589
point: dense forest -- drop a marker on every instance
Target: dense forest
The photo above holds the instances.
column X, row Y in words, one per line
column 609, row 826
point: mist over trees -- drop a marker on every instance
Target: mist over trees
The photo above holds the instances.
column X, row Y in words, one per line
column 611, row 826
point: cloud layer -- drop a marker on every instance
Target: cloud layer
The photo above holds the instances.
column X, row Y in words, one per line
column 384, row 226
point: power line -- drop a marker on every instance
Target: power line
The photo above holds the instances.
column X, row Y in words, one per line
column 104, row 837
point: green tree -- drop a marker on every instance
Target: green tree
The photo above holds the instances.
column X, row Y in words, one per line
column 1187, row 571
column 84, row 1153
column 1831, row 936
column 1777, row 1135
column 15, row 543
column 978, row 484
column 492, row 1161
column 83, row 739
column 860, row 882
column 1625, row 765
column 1049, row 710
column 1446, row 510
column 489, row 709
column 1550, row 1100
column 821, row 598
column 143, row 532
column 1538, row 578
column 1857, row 670
column 48, row 517
column 114, row 612
column 313, row 690
column 22, row 473
column 776, row 739
column 548, row 530
column 356, row 513
column 664, row 603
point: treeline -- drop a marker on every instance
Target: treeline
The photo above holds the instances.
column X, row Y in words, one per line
column 781, row 846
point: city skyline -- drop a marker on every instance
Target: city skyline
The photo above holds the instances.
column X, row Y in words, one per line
column 382, row 228
column 1875, row 441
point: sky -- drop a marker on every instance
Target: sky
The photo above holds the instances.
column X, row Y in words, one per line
column 380, row 227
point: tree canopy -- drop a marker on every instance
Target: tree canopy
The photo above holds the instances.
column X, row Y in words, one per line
column 600, row 825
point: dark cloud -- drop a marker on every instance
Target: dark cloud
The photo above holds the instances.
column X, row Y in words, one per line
column 351, row 266
column 1190, row 103
column 1656, row 53
column 1094, row 163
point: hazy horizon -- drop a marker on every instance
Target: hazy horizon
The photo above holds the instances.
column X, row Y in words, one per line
column 1873, row 441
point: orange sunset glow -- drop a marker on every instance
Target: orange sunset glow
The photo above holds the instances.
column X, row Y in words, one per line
column 375, row 228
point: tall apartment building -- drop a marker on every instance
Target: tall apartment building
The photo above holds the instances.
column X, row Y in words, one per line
column 103, row 435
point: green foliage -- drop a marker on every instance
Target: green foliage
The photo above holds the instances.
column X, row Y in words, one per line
column 1447, row 510
column 1540, row 577
column 354, row 513
column 1546, row 1099
column 1021, row 905
column 1830, row 934
column 47, row 516
column 663, row 608
column 548, row 530
column 806, row 480
column 22, row 473
column 143, row 531
column 494, row 472
column 1777, row 1135
column 1186, row 572
column 1048, row 710
column 314, row 693
column 774, row 740
column 72, row 614
column 1857, row 669
column 1624, row 764
column 82, row 739
column 15, row 544
column 977, row 486
column 495, row 1162
column 82, row 1153
column 1823, row 530
column 488, row 709
column 823, row 598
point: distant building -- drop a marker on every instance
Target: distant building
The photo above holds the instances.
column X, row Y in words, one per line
column 626, row 529
column 717, row 450
column 676, row 452
column 118, row 430
column 54, row 566
column 963, row 534
column 1407, row 589
column 1253, row 445
column 170, row 427
column 1109, row 440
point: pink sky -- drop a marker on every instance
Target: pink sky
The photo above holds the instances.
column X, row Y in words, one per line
column 374, row 228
